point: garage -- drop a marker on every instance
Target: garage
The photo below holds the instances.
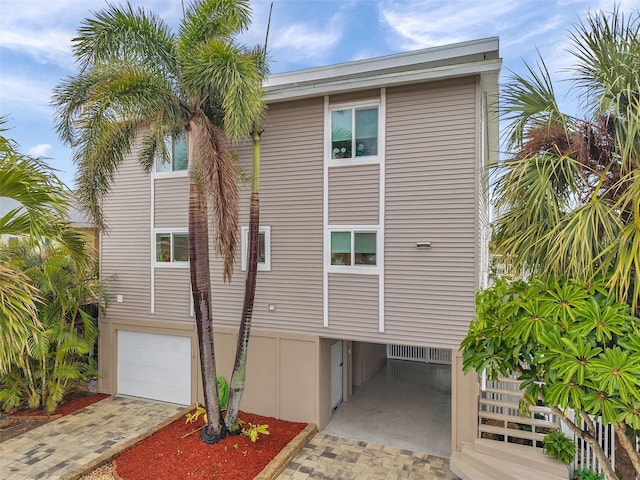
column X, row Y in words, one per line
column 154, row 366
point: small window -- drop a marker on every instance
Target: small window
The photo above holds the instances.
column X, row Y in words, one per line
column 353, row 248
column 172, row 247
column 264, row 248
column 178, row 160
column 354, row 132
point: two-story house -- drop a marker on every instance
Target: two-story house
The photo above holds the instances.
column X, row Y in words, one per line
column 373, row 215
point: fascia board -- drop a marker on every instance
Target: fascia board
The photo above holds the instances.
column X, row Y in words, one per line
column 371, row 65
column 385, row 80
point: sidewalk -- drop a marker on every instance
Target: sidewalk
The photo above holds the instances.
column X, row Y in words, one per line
column 68, row 447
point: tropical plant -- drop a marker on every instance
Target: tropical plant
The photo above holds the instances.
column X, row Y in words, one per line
column 559, row 446
column 587, row 474
column 571, row 344
column 58, row 360
column 39, row 216
column 568, row 197
column 238, row 375
column 139, row 82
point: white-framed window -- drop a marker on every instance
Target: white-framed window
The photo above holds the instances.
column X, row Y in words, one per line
column 178, row 161
column 264, row 248
column 171, row 248
column 353, row 249
column 355, row 132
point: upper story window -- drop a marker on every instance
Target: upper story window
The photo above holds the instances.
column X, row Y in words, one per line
column 353, row 248
column 354, row 132
column 172, row 248
column 264, row 248
column 178, row 160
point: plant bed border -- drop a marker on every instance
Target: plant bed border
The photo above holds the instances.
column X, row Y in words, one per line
column 270, row 472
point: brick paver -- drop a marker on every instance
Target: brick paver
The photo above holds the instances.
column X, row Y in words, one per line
column 73, row 444
column 327, row 457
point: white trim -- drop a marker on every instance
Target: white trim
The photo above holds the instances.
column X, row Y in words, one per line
column 399, row 60
column 244, row 253
column 325, row 214
column 382, row 126
column 294, row 91
column 355, row 160
column 152, row 286
column 175, row 174
column 171, row 231
column 357, row 269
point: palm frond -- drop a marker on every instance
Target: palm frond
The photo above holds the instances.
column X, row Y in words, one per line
column 126, row 34
column 215, row 169
column 220, row 70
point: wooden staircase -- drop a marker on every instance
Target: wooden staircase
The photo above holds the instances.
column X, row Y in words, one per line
column 491, row 460
column 508, row 444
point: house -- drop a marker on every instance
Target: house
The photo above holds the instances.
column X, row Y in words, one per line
column 76, row 216
column 373, row 212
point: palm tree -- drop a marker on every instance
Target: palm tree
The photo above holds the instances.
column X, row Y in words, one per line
column 138, row 80
column 238, row 375
column 40, row 215
column 568, row 198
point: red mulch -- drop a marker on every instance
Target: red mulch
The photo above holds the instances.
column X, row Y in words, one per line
column 74, row 401
column 167, row 456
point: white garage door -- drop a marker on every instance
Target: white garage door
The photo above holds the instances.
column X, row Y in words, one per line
column 154, row 366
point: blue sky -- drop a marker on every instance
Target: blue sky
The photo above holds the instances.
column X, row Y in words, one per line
column 35, row 43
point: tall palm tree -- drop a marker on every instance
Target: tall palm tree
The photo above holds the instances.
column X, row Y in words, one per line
column 40, row 214
column 238, row 375
column 568, row 198
column 138, row 80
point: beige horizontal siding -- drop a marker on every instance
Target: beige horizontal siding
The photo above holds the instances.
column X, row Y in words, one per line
column 126, row 247
column 353, row 305
column 372, row 94
column 354, row 195
column 172, row 294
column 431, row 176
column 171, row 202
column 291, row 204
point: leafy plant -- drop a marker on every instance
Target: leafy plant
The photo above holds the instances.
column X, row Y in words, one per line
column 200, row 410
column 572, row 346
column 587, row 474
column 559, row 446
column 58, row 359
column 254, row 431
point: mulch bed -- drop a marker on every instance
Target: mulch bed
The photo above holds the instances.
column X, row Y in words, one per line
column 175, row 453
column 22, row 421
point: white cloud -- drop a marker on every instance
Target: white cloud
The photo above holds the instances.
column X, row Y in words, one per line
column 306, row 40
column 20, row 93
column 40, row 150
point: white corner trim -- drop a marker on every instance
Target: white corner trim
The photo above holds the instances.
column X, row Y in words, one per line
column 382, row 139
column 152, row 245
column 326, row 242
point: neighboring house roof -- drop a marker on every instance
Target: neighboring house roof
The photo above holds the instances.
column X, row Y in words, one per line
column 466, row 58
column 77, row 216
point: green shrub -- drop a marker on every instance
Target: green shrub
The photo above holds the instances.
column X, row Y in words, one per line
column 559, row 446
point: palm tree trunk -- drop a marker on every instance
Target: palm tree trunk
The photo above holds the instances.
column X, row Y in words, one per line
column 201, row 291
column 237, row 383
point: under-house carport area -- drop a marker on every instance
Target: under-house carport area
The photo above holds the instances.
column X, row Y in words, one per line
column 401, row 396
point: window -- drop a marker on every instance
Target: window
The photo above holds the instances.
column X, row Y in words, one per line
column 264, row 248
column 172, row 248
column 354, row 132
column 352, row 248
column 178, row 160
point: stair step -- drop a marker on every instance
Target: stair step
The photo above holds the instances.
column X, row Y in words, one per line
column 520, row 453
column 507, row 469
column 465, row 469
